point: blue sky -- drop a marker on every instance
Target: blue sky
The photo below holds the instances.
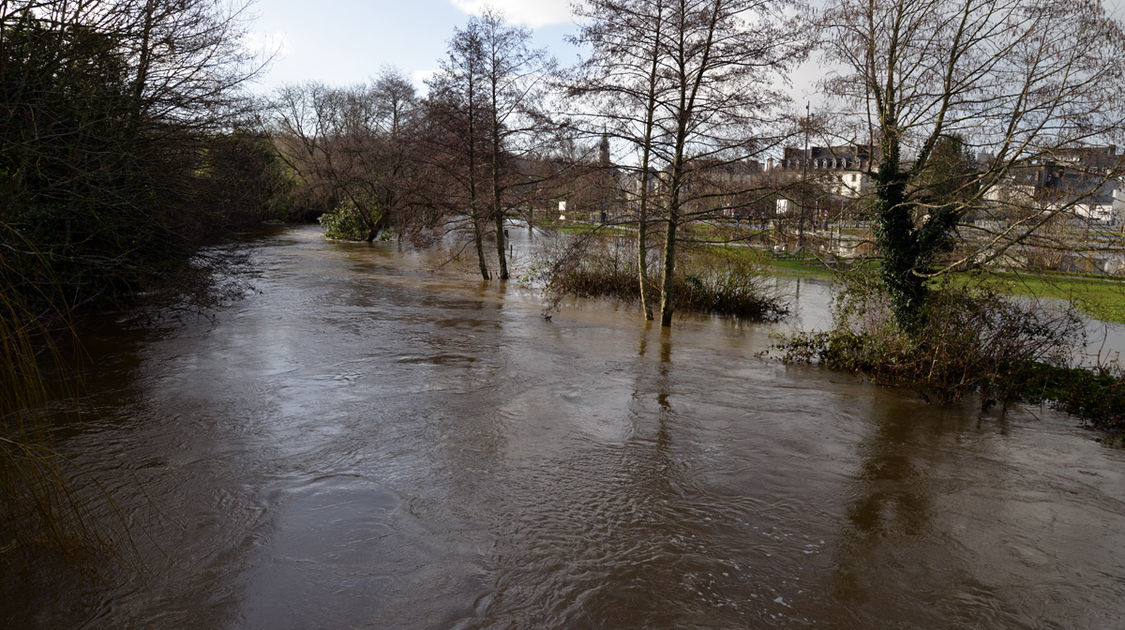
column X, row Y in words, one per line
column 347, row 41
column 342, row 42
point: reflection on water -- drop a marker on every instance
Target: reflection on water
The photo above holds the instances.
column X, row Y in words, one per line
column 367, row 442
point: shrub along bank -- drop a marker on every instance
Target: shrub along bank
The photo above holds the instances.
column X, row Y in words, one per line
column 973, row 341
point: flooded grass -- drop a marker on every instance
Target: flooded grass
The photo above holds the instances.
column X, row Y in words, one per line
column 973, row 342
column 706, row 280
column 1098, row 296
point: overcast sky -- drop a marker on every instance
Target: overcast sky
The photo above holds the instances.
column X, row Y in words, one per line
column 342, row 42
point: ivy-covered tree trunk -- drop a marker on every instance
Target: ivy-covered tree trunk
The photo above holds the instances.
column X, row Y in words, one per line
column 910, row 246
column 897, row 240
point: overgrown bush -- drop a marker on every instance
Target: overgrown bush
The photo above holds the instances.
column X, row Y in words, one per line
column 1093, row 394
column 970, row 340
column 345, row 222
column 706, row 282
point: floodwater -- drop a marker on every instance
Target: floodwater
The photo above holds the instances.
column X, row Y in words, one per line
column 364, row 442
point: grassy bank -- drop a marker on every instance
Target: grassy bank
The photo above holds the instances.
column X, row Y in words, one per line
column 578, row 227
column 1097, row 296
column 784, row 266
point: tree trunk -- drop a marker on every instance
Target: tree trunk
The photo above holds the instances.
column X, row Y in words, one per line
column 498, row 213
column 667, row 281
column 478, row 238
column 898, row 241
column 667, row 292
column 642, row 250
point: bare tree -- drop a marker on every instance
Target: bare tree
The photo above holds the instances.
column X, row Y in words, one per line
column 457, row 119
column 514, row 75
column 694, row 85
column 964, row 101
column 622, row 78
column 494, row 81
column 356, row 143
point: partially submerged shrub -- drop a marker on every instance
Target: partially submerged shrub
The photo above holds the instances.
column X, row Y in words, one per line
column 971, row 341
column 706, row 282
column 710, row 283
column 346, row 222
column 1096, row 395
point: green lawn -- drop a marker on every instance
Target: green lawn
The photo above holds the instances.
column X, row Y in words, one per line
column 1100, row 297
column 789, row 267
column 578, row 227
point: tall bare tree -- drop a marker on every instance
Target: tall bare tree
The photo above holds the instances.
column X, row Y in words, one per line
column 494, row 80
column 622, row 78
column 514, row 76
column 694, row 85
column 1022, row 83
column 457, row 122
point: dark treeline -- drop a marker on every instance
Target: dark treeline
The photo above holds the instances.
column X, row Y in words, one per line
column 125, row 145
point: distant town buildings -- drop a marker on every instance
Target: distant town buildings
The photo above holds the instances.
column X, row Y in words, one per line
column 833, row 183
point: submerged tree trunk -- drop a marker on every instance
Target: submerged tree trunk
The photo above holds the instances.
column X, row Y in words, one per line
column 498, row 213
column 478, row 236
column 667, row 296
column 642, row 243
column 474, row 214
column 667, row 292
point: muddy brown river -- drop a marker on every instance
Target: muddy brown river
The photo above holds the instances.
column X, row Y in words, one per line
column 365, row 442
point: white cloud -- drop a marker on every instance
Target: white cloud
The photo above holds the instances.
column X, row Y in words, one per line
column 275, row 44
column 419, row 78
column 533, row 13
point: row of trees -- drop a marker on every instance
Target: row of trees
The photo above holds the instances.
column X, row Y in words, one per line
column 379, row 156
column 688, row 90
column 488, row 140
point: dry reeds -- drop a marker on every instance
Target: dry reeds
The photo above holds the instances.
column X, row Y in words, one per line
column 37, row 507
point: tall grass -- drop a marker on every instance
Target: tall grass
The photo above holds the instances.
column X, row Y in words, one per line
column 37, row 508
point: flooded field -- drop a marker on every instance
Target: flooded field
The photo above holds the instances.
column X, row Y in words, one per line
column 364, row 442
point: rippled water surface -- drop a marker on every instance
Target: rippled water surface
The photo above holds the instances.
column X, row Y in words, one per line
column 366, row 442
